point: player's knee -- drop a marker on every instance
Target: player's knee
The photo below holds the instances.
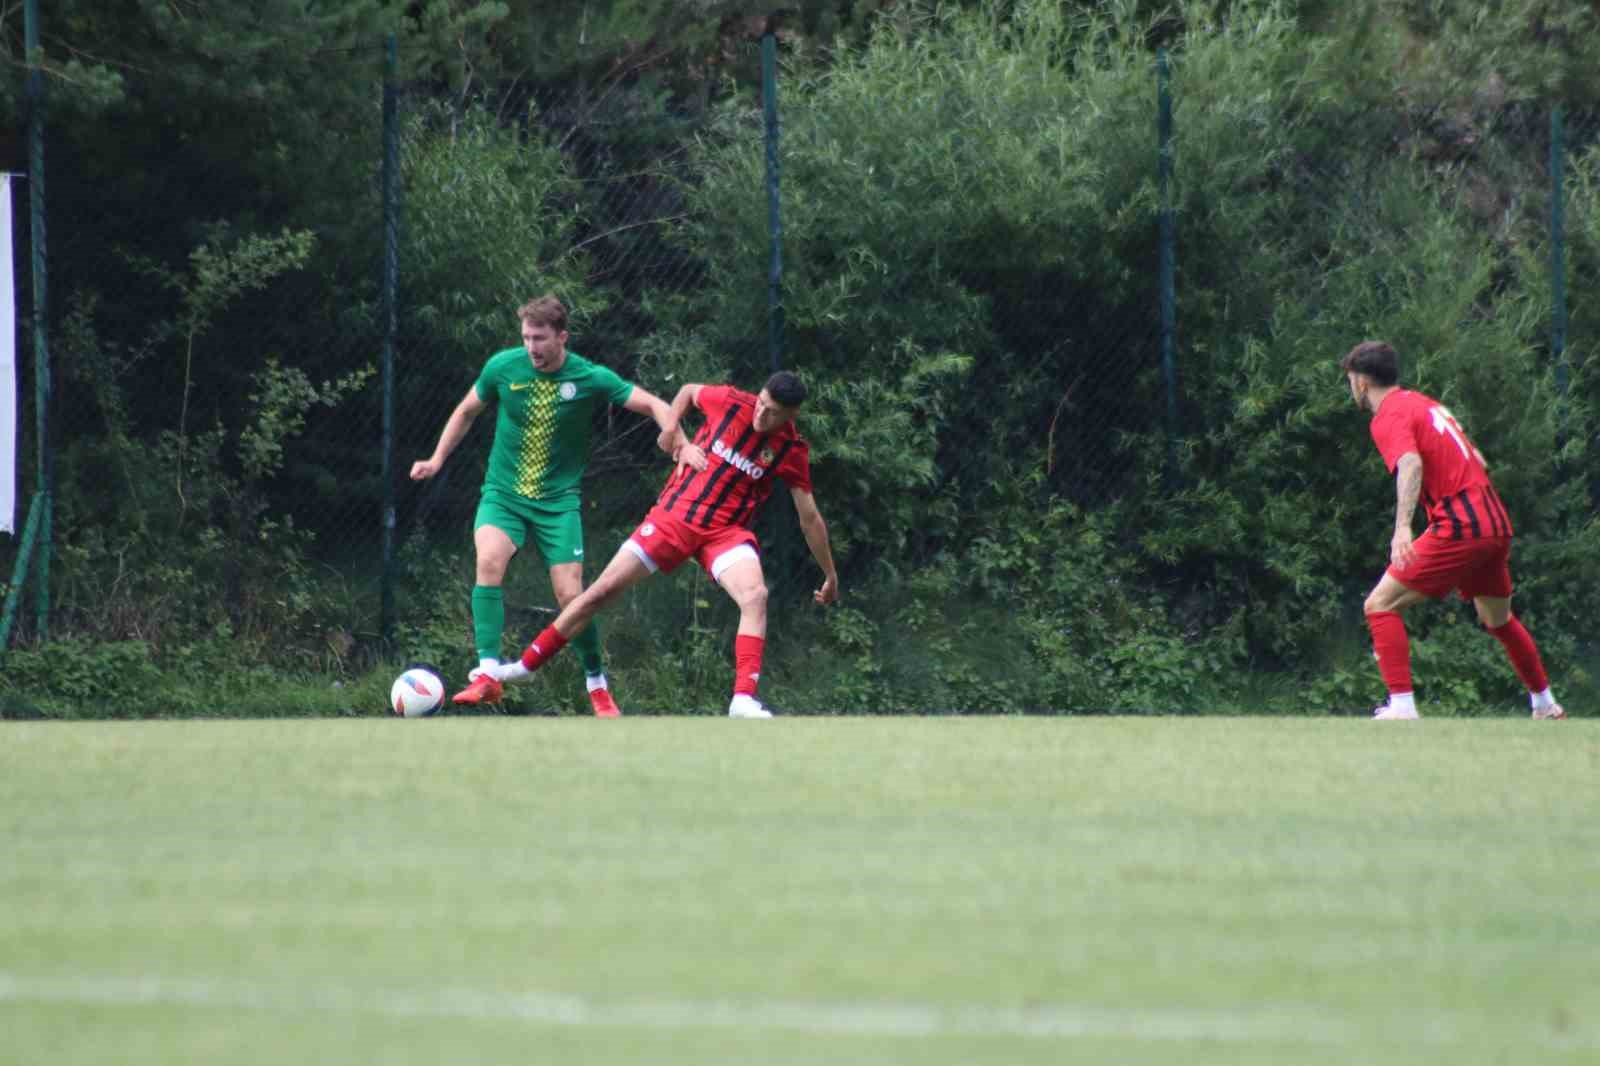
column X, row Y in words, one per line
column 1492, row 616
column 754, row 598
column 1374, row 603
column 493, row 552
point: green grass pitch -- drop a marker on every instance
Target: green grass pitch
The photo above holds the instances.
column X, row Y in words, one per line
column 910, row 890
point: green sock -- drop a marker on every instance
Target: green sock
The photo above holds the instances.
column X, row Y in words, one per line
column 488, row 619
column 587, row 645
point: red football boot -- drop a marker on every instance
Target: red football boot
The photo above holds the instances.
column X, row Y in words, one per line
column 604, row 706
column 482, row 689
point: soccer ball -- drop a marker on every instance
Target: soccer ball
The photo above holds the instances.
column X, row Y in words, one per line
column 416, row 693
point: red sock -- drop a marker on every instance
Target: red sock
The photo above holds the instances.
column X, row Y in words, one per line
column 1394, row 650
column 747, row 663
column 1524, row 654
column 546, row 644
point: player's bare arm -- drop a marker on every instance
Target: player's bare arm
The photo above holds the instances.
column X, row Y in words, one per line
column 455, row 428
column 666, row 416
column 1407, row 487
column 670, row 441
column 816, row 534
column 677, row 443
column 643, row 402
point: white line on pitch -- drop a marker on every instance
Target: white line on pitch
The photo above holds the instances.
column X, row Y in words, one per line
column 1276, row 1024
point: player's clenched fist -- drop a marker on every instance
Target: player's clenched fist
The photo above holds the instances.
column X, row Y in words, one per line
column 423, row 469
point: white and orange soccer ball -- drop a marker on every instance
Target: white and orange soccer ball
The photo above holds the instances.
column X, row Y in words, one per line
column 416, row 693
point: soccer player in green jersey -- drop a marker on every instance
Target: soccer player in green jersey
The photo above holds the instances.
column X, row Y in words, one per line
column 547, row 399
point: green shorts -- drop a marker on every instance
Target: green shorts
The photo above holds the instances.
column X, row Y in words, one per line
column 557, row 535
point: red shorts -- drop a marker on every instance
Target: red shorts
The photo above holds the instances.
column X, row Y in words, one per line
column 664, row 541
column 1474, row 567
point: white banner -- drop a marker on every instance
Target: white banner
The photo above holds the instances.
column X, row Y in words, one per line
column 8, row 368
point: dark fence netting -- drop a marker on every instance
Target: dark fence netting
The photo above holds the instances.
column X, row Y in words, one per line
column 586, row 195
column 1045, row 368
column 206, row 307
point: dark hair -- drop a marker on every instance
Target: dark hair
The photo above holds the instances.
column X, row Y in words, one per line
column 786, row 389
column 1376, row 359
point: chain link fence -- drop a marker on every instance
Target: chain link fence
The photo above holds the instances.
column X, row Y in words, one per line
column 193, row 328
column 1478, row 211
column 601, row 220
column 1575, row 267
column 603, row 194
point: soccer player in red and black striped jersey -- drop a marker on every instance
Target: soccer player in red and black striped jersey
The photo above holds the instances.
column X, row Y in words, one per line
column 1467, row 544
column 723, row 476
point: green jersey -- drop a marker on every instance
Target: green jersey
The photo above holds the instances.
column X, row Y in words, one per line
column 542, row 430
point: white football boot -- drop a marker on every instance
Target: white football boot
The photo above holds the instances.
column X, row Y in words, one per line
column 747, row 707
column 1386, row 713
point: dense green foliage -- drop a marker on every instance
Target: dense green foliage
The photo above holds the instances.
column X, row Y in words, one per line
column 970, row 218
column 984, row 265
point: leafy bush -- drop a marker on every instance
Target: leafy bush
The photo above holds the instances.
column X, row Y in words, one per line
column 489, row 221
column 167, row 534
column 992, row 278
column 117, row 678
column 970, row 222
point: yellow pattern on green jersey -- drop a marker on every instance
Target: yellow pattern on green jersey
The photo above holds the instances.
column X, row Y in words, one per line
column 538, row 436
column 544, row 424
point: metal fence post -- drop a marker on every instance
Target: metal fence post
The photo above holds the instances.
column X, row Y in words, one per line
column 769, row 96
column 391, row 284
column 1167, row 255
column 41, row 319
column 19, row 572
column 36, row 533
column 1558, row 268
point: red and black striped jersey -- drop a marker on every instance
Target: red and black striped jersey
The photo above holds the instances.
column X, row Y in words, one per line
column 741, row 463
column 1456, row 491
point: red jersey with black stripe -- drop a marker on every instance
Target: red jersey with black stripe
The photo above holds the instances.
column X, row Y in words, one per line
column 741, row 463
column 1456, row 491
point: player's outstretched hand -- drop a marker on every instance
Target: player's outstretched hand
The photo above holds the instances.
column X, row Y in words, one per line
column 691, row 455
column 828, row 593
column 423, row 469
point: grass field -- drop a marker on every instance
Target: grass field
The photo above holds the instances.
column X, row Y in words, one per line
column 929, row 891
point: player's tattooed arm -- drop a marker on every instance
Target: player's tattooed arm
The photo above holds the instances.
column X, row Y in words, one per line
column 1407, row 487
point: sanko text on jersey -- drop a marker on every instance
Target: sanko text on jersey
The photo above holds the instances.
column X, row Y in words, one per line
column 739, row 462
